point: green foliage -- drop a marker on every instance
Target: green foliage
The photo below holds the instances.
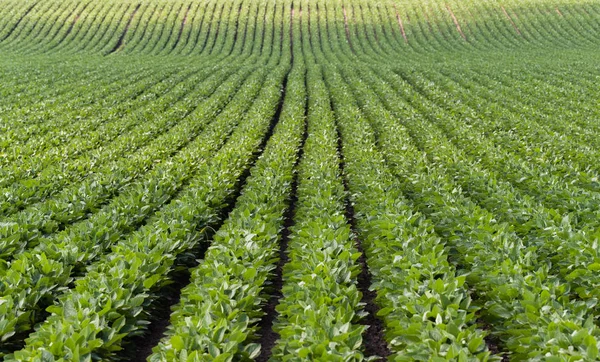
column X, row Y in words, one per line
column 459, row 138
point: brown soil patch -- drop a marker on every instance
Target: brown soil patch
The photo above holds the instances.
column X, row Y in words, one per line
column 401, row 24
column 120, row 43
column 346, row 27
column 511, row 20
column 456, row 22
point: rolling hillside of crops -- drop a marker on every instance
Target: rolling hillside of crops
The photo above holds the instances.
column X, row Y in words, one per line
column 299, row 180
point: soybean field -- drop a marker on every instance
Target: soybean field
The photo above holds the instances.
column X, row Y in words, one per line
column 299, row 180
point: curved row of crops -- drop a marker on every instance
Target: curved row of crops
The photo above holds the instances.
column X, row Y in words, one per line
column 177, row 27
column 299, row 180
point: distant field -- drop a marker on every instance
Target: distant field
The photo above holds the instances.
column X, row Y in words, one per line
column 307, row 180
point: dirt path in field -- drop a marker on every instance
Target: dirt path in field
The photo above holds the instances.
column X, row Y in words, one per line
column 141, row 347
column 237, row 26
column 120, row 43
column 426, row 16
column 218, row 28
column 268, row 337
column 183, row 23
column 292, row 17
column 455, row 20
column 73, row 23
column 373, row 338
column 362, row 17
column 492, row 342
column 347, row 28
column 511, row 20
column 400, row 23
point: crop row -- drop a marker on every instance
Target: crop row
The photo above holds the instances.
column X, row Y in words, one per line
column 509, row 265
column 300, row 134
column 134, row 204
column 73, row 203
column 108, row 303
column 101, row 176
column 94, row 149
column 70, row 251
column 129, row 134
column 576, row 316
column 107, row 27
column 563, row 258
column 321, row 304
column 87, row 239
column 217, row 314
column 57, row 139
column 424, row 304
column 180, row 27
